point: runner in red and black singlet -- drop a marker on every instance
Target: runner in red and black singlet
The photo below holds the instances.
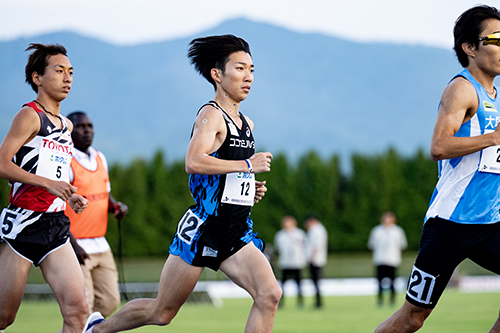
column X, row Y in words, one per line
column 35, row 156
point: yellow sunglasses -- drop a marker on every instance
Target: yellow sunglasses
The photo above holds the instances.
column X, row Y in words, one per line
column 493, row 39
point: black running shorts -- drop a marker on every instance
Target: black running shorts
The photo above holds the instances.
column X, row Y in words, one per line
column 39, row 239
column 444, row 245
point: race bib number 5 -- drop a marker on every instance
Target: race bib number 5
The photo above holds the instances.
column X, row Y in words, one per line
column 13, row 221
column 420, row 286
column 54, row 160
column 188, row 226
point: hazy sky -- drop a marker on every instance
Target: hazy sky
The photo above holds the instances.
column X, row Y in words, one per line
column 427, row 22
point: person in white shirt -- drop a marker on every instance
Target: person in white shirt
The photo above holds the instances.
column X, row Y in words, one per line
column 290, row 242
column 316, row 251
column 387, row 240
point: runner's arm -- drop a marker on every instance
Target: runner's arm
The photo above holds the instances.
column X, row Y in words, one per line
column 458, row 101
column 208, row 135
column 25, row 126
column 118, row 209
column 260, row 190
column 77, row 203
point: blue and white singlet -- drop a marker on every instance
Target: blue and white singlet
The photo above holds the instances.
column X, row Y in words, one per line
column 468, row 190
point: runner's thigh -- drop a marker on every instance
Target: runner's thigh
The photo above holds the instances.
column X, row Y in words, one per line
column 177, row 281
column 250, row 269
column 13, row 276
column 488, row 254
column 63, row 274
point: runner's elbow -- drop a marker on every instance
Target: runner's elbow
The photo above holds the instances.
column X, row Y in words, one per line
column 437, row 153
column 435, row 156
column 192, row 167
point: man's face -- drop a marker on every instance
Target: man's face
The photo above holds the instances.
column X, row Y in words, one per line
column 289, row 223
column 388, row 220
column 83, row 132
column 487, row 57
column 57, row 77
column 238, row 76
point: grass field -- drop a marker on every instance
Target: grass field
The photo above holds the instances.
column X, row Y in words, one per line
column 456, row 313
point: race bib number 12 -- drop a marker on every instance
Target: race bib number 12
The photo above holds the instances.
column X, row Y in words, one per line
column 239, row 189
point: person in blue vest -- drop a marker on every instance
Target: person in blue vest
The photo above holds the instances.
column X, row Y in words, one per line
column 463, row 217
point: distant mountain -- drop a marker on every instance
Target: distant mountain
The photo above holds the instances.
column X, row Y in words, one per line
column 310, row 92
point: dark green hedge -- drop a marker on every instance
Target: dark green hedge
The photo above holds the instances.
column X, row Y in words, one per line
column 349, row 204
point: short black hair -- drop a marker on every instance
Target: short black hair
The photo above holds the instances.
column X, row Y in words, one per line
column 311, row 216
column 468, row 27
column 75, row 114
column 213, row 52
column 38, row 60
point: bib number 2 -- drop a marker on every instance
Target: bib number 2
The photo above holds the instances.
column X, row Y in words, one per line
column 490, row 159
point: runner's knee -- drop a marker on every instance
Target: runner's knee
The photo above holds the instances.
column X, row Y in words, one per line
column 76, row 309
column 416, row 323
column 417, row 318
column 6, row 319
column 165, row 314
column 270, row 297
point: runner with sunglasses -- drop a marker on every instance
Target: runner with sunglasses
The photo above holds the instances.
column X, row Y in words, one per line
column 463, row 216
column 491, row 39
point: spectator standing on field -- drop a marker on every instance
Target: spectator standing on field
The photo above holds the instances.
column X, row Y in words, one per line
column 290, row 243
column 316, row 252
column 387, row 240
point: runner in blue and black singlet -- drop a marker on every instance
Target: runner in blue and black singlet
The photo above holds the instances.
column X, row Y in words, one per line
column 207, row 189
column 201, row 235
column 216, row 232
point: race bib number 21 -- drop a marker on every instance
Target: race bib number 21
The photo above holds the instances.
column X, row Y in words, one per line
column 420, row 286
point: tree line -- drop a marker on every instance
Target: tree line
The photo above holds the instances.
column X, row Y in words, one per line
column 348, row 203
